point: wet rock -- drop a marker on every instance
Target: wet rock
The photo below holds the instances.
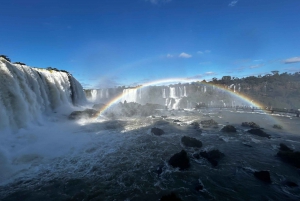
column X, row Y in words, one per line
column 199, row 187
column 212, row 156
column 229, row 129
column 259, row 132
column 191, row 142
column 88, row 113
column 159, row 170
column 98, row 106
column 157, row 131
column 246, row 144
column 176, row 120
column 209, row 123
column 164, row 116
column 170, row 197
column 291, row 157
column 263, row 176
column 250, row 124
column 180, row 160
column 283, row 147
column 277, row 126
column 290, row 184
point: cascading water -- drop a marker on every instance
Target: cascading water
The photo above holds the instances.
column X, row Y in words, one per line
column 28, row 93
column 130, row 95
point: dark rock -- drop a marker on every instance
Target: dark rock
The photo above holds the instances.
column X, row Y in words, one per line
column 199, row 187
column 209, row 123
column 291, row 157
column 212, row 156
column 159, row 170
column 247, row 145
column 283, row 147
column 157, row 131
column 229, row 129
column 250, row 124
column 88, row 113
column 191, row 142
column 164, row 116
column 170, row 197
column 259, row 132
column 176, row 120
column 290, row 184
column 196, row 156
column 277, row 126
column 98, row 106
column 180, row 160
column 263, row 176
column 195, row 125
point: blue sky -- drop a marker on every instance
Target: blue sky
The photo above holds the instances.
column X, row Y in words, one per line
column 125, row 42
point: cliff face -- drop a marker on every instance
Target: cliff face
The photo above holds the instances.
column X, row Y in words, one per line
column 26, row 94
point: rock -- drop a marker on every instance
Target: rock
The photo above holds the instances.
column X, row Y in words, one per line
column 170, row 197
column 191, row 142
column 88, row 113
column 212, row 156
column 250, row 124
column 277, row 126
column 259, row 132
column 180, row 160
column 229, row 129
column 164, row 116
column 176, row 120
column 291, row 157
column 263, row 176
column 98, row 106
column 283, row 147
column 195, row 125
column 199, row 187
column 290, row 184
column 157, row 131
column 209, row 123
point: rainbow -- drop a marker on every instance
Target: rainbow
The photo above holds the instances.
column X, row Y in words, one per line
column 118, row 98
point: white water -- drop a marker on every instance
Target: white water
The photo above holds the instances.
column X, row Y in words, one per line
column 130, row 95
column 28, row 94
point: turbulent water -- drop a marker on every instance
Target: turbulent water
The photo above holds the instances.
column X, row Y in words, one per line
column 119, row 159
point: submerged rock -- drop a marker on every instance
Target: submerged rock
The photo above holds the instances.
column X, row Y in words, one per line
column 288, row 155
column 180, row 160
column 229, row 129
column 170, row 197
column 250, row 124
column 157, row 131
column 88, row 113
column 259, row 132
column 212, row 156
column 277, row 126
column 191, row 142
column 290, row 184
column 263, row 176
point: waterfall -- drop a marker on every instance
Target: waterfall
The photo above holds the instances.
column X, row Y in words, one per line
column 204, row 89
column 107, row 93
column 184, row 91
column 164, row 93
column 93, row 95
column 173, row 92
column 26, row 94
column 129, row 95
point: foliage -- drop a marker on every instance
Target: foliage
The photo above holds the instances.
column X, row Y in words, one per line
column 5, row 57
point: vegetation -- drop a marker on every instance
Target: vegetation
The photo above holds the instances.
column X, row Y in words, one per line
column 20, row 63
column 5, row 58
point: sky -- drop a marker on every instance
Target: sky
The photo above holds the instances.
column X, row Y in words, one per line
column 107, row 43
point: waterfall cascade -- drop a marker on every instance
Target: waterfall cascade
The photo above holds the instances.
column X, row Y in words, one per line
column 131, row 95
column 26, row 94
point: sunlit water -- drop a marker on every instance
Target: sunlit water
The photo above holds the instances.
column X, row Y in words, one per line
column 106, row 159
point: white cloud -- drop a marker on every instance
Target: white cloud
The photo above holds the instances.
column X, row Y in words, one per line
column 256, row 66
column 210, row 73
column 185, row 55
column 170, row 55
column 199, row 52
column 159, row 1
column 292, row 60
column 233, row 3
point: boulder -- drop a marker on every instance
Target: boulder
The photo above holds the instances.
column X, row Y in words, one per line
column 250, row 124
column 259, row 132
column 277, row 126
column 209, row 123
column 283, row 147
column 176, row 120
column 290, row 184
column 199, row 187
column 98, row 106
column 88, row 113
column 191, row 142
column 157, row 131
column 195, row 125
column 180, row 160
column 229, row 129
column 212, row 156
column 263, row 176
column 289, row 156
column 170, row 197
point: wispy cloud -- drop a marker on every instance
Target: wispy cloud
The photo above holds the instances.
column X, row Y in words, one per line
column 185, row 55
column 158, row 1
column 199, row 76
column 199, row 52
column 204, row 52
column 233, row 3
column 170, row 56
column 210, row 73
column 292, row 60
column 256, row 66
column 292, row 69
